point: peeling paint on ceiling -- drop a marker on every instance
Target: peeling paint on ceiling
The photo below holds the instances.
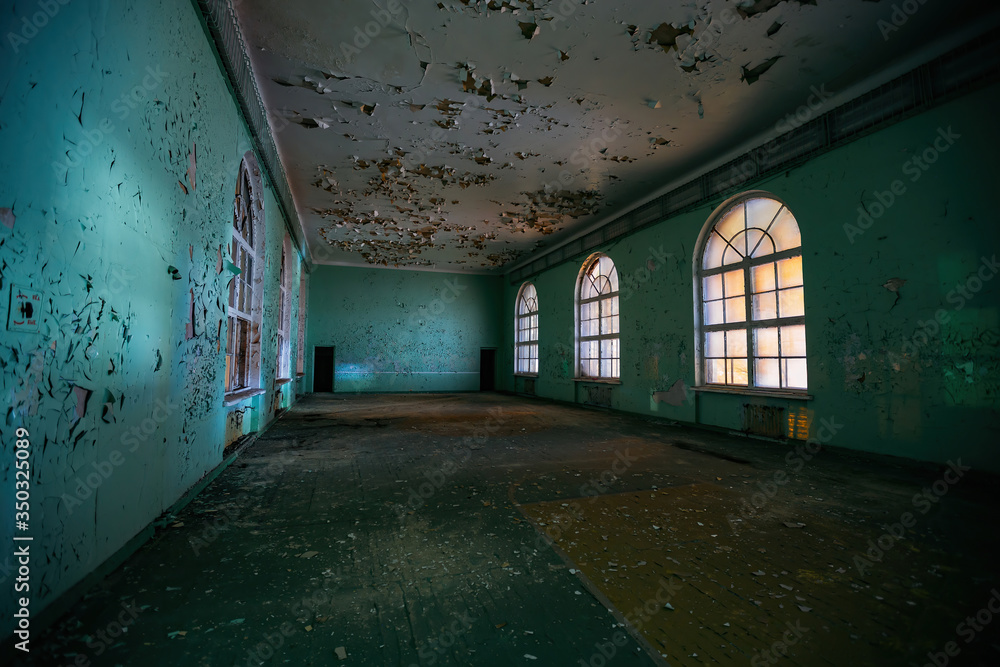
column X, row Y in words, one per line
column 465, row 134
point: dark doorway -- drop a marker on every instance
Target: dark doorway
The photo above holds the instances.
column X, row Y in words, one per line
column 487, row 369
column 323, row 369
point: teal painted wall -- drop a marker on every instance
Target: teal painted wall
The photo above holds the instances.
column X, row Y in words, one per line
column 102, row 108
column 399, row 331
column 897, row 383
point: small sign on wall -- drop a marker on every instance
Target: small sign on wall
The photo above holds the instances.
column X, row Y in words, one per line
column 25, row 309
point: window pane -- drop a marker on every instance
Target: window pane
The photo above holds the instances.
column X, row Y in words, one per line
column 761, row 211
column 753, row 236
column 715, row 371
column 790, row 303
column 731, row 255
column 766, row 373
column 793, row 341
column 765, row 342
column 738, row 370
column 738, row 244
column 736, row 343
column 795, row 373
column 731, row 223
column 790, row 272
column 785, row 232
column 733, row 281
column 713, row 252
column 765, row 306
column 712, row 286
column 715, row 344
column 764, row 247
column 736, row 309
column 713, row 312
column 762, row 278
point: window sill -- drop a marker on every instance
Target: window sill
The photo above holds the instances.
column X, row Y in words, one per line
column 280, row 381
column 526, row 375
column 746, row 391
column 299, row 375
column 599, row 380
column 235, row 397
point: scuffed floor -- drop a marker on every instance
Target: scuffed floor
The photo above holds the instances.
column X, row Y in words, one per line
column 415, row 530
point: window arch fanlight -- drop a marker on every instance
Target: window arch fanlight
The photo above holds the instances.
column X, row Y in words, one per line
column 750, row 306
column 245, row 298
column 526, row 331
column 598, row 350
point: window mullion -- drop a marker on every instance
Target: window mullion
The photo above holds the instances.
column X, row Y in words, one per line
column 748, row 304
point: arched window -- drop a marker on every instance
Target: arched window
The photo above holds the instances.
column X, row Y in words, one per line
column 246, row 253
column 301, row 365
column 597, row 319
column 283, row 366
column 527, row 331
column 749, row 293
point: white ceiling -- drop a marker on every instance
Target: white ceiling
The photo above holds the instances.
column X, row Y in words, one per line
column 466, row 134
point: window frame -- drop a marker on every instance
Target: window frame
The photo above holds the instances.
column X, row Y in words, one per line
column 283, row 363
column 528, row 342
column 241, row 375
column 748, row 325
column 578, row 302
column 300, row 367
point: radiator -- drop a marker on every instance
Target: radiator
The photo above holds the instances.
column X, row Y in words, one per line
column 764, row 420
